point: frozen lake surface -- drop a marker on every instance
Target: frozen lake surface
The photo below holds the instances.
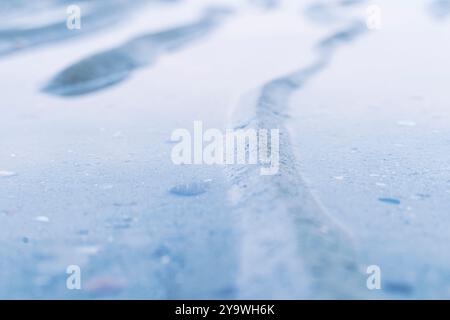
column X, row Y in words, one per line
column 86, row 176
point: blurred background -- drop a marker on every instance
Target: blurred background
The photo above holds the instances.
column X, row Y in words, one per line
column 358, row 89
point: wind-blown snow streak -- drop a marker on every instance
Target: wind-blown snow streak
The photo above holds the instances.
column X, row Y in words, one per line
column 110, row 67
column 291, row 247
column 98, row 15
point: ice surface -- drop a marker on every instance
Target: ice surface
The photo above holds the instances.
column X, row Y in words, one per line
column 87, row 180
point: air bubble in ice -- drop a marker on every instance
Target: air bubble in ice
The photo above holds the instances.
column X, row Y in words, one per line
column 389, row 200
column 42, row 219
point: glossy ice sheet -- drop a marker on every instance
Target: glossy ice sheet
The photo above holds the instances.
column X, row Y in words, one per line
column 86, row 176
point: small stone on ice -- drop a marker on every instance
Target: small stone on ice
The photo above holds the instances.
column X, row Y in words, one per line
column 118, row 134
column 165, row 259
column 88, row 250
column 105, row 286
